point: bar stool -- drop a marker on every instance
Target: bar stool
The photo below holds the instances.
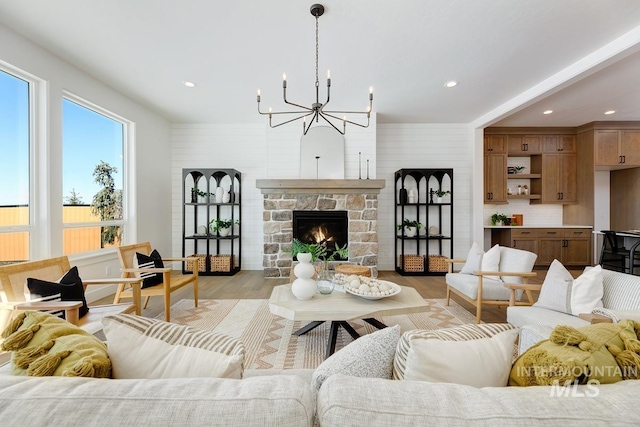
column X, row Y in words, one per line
column 613, row 256
column 618, row 258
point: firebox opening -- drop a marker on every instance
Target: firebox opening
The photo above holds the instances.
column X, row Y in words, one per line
column 328, row 228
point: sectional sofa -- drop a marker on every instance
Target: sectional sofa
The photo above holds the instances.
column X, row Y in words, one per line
column 621, row 300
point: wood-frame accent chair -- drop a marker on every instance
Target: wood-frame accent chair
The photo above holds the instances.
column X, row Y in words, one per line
column 13, row 279
column 169, row 283
column 515, row 270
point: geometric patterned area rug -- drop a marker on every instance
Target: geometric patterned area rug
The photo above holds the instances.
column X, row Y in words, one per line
column 268, row 338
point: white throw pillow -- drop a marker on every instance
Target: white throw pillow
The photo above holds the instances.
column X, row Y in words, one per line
column 474, row 259
column 587, row 291
column 491, row 261
column 466, row 332
column 560, row 292
column 149, row 348
column 484, row 362
column 555, row 293
column 370, row 356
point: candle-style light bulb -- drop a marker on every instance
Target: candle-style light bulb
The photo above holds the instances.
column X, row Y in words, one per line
column 328, row 74
column 284, row 80
column 258, row 95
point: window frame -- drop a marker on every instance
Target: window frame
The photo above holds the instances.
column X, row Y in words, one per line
column 33, row 92
column 127, row 133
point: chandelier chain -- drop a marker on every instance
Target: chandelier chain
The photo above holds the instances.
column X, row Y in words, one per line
column 317, row 79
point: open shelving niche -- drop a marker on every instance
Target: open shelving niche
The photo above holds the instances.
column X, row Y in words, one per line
column 197, row 237
column 429, row 212
column 532, row 180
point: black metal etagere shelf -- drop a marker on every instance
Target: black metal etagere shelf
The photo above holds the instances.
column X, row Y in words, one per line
column 434, row 240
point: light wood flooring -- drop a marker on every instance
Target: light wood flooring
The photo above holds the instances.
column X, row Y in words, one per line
column 251, row 285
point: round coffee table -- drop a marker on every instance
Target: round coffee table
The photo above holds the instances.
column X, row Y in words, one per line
column 340, row 307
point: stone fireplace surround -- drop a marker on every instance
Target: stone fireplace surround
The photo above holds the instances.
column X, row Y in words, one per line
column 359, row 197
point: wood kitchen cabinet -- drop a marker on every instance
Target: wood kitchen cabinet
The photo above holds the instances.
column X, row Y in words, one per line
column 559, row 143
column 495, row 178
column 525, row 239
column 570, row 246
column 617, row 148
column 495, row 144
column 558, row 184
column 524, row 145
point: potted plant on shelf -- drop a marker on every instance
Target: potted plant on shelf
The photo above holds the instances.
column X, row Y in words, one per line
column 222, row 226
column 498, row 219
column 410, row 227
column 195, row 193
column 440, row 194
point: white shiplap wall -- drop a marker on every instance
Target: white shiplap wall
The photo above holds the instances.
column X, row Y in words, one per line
column 257, row 152
column 424, row 146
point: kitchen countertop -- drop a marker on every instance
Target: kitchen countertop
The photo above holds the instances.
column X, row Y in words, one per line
column 536, row 226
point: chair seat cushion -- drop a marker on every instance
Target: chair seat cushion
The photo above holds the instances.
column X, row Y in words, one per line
column 468, row 285
column 521, row 316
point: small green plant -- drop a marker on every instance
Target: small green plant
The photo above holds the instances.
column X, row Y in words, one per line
column 217, row 224
column 200, row 193
column 498, row 217
column 317, row 251
column 409, row 223
column 442, row 193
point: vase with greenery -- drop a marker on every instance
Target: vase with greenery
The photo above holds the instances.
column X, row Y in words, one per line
column 498, row 219
column 410, row 227
column 440, row 194
column 222, row 226
column 196, row 192
column 319, row 253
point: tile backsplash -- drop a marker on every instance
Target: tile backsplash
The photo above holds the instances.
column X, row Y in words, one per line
column 532, row 215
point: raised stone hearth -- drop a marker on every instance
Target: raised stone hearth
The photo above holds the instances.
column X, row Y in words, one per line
column 281, row 197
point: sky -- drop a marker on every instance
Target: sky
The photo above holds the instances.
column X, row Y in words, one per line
column 88, row 138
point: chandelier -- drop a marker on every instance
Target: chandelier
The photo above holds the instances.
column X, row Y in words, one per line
column 317, row 110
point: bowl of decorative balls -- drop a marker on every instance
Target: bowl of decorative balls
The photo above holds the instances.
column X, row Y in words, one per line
column 367, row 287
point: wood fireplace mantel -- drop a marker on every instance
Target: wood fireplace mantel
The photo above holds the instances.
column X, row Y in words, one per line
column 320, row 186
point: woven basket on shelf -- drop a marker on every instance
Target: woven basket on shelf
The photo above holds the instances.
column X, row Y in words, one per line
column 202, row 263
column 412, row 263
column 438, row 263
column 222, row 263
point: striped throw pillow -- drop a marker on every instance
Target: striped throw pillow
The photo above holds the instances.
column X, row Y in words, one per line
column 150, row 348
column 153, row 260
column 458, row 333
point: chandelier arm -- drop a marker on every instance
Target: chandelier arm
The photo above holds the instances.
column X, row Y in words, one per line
column 345, row 112
column 344, row 120
column 298, row 105
column 288, row 121
column 342, row 132
column 267, row 113
column 306, row 128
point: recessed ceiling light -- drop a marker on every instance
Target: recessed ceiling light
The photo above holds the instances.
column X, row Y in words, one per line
column 189, row 84
column 610, row 112
column 547, row 112
column 451, row 83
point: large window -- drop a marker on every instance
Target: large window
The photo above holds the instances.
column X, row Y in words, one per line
column 14, row 168
column 92, row 169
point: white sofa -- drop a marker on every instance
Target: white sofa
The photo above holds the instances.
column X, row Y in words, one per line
column 285, row 400
column 621, row 300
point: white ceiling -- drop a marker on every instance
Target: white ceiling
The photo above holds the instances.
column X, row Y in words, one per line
column 498, row 50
